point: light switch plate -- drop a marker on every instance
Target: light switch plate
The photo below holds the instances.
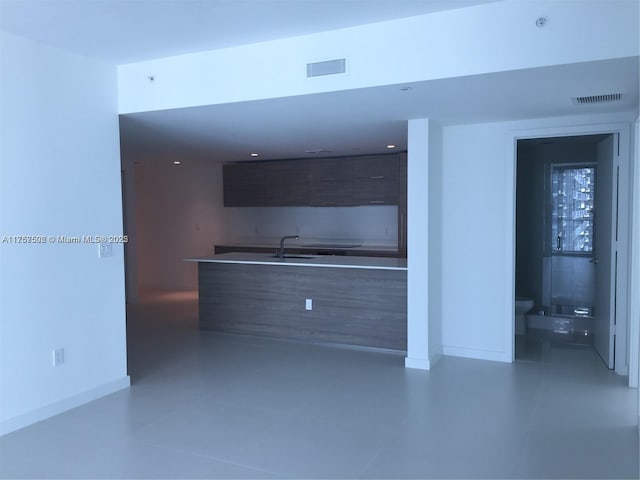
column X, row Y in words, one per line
column 58, row 357
column 105, row 250
column 308, row 304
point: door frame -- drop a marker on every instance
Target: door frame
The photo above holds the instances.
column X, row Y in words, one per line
column 624, row 324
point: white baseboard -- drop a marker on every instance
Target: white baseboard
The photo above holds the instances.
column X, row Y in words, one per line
column 419, row 363
column 29, row 418
column 476, row 353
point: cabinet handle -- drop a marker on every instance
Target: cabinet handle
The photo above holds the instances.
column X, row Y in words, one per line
column 377, row 177
column 376, row 201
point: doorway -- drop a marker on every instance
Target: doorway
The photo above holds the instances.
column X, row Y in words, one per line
column 566, row 221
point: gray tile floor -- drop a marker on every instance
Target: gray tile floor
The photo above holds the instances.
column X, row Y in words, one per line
column 204, row 405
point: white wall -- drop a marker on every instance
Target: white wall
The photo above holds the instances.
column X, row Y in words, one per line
column 60, row 175
column 475, row 179
column 478, row 230
column 493, row 37
column 178, row 214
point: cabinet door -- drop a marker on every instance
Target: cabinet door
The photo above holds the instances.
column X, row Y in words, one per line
column 355, row 306
column 331, row 182
column 287, row 183
column 376, row 180
column 249, row 299
column 243, row 185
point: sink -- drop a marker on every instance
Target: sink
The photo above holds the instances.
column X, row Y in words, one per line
column 292, row 256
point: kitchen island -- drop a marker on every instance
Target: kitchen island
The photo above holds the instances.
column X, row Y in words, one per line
column 359, row 301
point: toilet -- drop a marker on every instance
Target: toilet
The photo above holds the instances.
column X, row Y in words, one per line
column 523, row 305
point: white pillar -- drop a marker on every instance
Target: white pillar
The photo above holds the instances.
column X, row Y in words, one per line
column 634, row 310
column 418, row 245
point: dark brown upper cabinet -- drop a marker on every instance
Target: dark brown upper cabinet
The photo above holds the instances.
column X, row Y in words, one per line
column 287, row 183
column 331, row 182
column 243, row 184
column 375, row 180
column 321, row 182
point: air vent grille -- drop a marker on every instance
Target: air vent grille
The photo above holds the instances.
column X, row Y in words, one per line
column 593, row 99
column 326, row 68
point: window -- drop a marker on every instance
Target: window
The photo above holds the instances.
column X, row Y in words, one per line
column 573, row 191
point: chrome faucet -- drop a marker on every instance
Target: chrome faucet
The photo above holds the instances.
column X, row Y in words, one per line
column 280, row 252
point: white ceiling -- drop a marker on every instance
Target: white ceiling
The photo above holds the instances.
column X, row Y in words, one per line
column 125, row 31
column 341, row 123
column 366, row 120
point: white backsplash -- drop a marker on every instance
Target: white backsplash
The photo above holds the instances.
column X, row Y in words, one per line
column 365, row 225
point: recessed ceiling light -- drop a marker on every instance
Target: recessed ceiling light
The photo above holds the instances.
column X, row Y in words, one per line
column 391, row 145
column 254, row 154
column 177, row 162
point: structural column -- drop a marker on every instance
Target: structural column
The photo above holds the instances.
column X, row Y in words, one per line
column 418, row 245
column 424, row 244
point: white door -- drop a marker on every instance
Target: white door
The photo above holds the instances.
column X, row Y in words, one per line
column 604, row 244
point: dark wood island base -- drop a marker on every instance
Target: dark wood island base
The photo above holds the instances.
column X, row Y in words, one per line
column 364, row 307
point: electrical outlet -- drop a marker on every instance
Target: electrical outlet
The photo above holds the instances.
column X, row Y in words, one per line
column 58, row 356
column 105, row 250
column 308, row 304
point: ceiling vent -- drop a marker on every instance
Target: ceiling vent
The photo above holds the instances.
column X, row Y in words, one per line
column 330, row 67
column 594, row 99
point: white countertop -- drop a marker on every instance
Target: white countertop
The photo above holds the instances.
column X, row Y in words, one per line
column 333, row 261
